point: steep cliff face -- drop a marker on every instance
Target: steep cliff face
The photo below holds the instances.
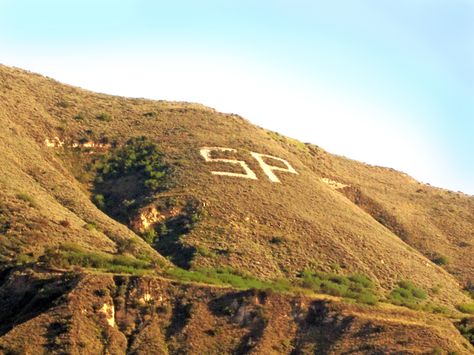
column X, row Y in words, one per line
column 132, row 315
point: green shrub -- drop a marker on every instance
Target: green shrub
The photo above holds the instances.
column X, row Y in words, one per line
column 99, row 200
column 204, row 251
column 80, row 116
column 26, row 198
column 357, row 286
column 466, row 308
column 149, row 236
column 436, row 308
column 277, row 240
column 228, row 276
column 129, row 204
column 332, row 288
column 436, row 289
column 63, row 104
column 466, row 328
column 367, row 298
column 104, row 117
column 408, row 295
column 24, row 259
column 90, row 226
column 440, row 260
column 73, row 255
column 163, row 230
column 125, row 245
column 363, row 280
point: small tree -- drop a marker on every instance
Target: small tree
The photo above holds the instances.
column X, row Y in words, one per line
column 149, row 236
column 99, row 201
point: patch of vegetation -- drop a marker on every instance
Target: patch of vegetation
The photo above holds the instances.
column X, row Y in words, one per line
column 440, row 260
column 288, row 141
column 277, row 240
column 104, row 117
column 469, row 289
column 139, row 156
column 149, row 236
column 335, row 267
column 298, row 144
column 466, row 328
column 90, row 226
column 466, row 308
column 228, row 276
column 434, row 308
column 127, row 176
column 22, row 259
column 63, row 104
column 80, row 116
column 99, row 201
column 26, row 198
column 437, row 351
column 437, row 289
column 408, row 295
column 204, row 251
column 356, row 286
column 124, row 245
column 69, row 255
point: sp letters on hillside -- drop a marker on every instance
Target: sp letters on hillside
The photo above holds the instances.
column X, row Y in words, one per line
column 263, row 160
column 247, row 172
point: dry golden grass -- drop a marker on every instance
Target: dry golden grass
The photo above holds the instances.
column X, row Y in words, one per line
column 384, row 225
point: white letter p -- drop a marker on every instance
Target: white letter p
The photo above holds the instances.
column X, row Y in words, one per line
column 268, row 169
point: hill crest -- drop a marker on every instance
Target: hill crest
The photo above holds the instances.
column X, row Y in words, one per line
column 236, row 196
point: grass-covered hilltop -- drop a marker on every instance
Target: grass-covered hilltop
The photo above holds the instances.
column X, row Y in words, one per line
column 131, row 226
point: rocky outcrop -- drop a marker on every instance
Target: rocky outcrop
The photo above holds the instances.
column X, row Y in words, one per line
column 109, row 312
column 149, row 216
column 335, row 185
column 57, row 142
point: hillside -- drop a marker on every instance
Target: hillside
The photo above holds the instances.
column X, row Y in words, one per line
column 95, row 186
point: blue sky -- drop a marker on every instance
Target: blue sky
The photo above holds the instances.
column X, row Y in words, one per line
column 386, row 82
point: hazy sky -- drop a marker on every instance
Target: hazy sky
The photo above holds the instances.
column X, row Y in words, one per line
column 386, row 82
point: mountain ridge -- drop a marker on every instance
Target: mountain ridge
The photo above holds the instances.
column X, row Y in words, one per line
column 334, row 216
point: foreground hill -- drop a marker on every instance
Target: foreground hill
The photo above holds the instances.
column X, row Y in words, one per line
column 121, row 314
column 103, row 185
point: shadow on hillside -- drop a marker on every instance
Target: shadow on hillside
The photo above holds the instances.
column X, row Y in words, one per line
column 380, row 214
column 25, row 297
column 322, row 327
column 170, row 244
column 245, row 309
column 180, row 317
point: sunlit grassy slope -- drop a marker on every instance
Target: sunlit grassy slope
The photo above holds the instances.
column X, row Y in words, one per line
column 335, row 216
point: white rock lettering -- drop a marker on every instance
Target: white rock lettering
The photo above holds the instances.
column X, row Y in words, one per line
column 206, row 153
column 268, row 169
column 249, row 174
